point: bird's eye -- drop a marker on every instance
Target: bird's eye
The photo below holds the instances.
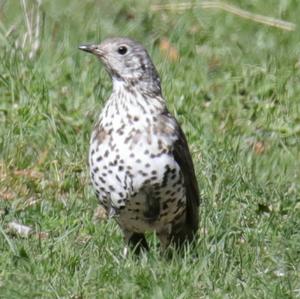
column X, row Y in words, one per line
column 122, row 50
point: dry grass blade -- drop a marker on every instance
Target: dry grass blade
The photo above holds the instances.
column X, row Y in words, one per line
column 284, row 25
column 27, row 21
column 29, row 173
column 7, row 194
column 31, row 38
column 100, row 214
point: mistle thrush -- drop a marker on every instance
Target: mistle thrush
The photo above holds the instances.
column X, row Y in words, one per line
column 139, row 158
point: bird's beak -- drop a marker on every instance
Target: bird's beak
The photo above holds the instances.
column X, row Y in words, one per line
column 91, row 49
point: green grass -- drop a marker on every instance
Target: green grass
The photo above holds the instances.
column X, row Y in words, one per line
column 236, row 92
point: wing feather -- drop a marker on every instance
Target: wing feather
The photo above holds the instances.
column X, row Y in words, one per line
column 181, row 153
column 183, row 157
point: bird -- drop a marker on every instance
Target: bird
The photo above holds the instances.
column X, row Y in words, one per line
column 140, row 163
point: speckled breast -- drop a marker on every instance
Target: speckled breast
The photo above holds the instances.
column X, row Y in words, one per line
column 136, row 178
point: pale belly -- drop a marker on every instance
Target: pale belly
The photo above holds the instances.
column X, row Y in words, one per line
column 138, row 182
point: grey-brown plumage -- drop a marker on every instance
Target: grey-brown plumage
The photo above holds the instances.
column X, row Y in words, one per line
column 139, row 158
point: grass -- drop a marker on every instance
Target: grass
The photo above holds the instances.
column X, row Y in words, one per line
column 235, row 90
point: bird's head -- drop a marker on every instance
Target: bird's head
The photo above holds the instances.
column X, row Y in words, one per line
column 125, row 60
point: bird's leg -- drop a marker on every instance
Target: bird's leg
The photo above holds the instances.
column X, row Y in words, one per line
column 164, row 241
column 164, row 237
column 174, row 237
column 135, row 241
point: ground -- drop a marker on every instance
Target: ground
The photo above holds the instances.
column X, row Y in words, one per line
column 234, row 86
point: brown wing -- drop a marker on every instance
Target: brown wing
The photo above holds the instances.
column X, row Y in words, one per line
column 183, row 158
column 168, row 126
